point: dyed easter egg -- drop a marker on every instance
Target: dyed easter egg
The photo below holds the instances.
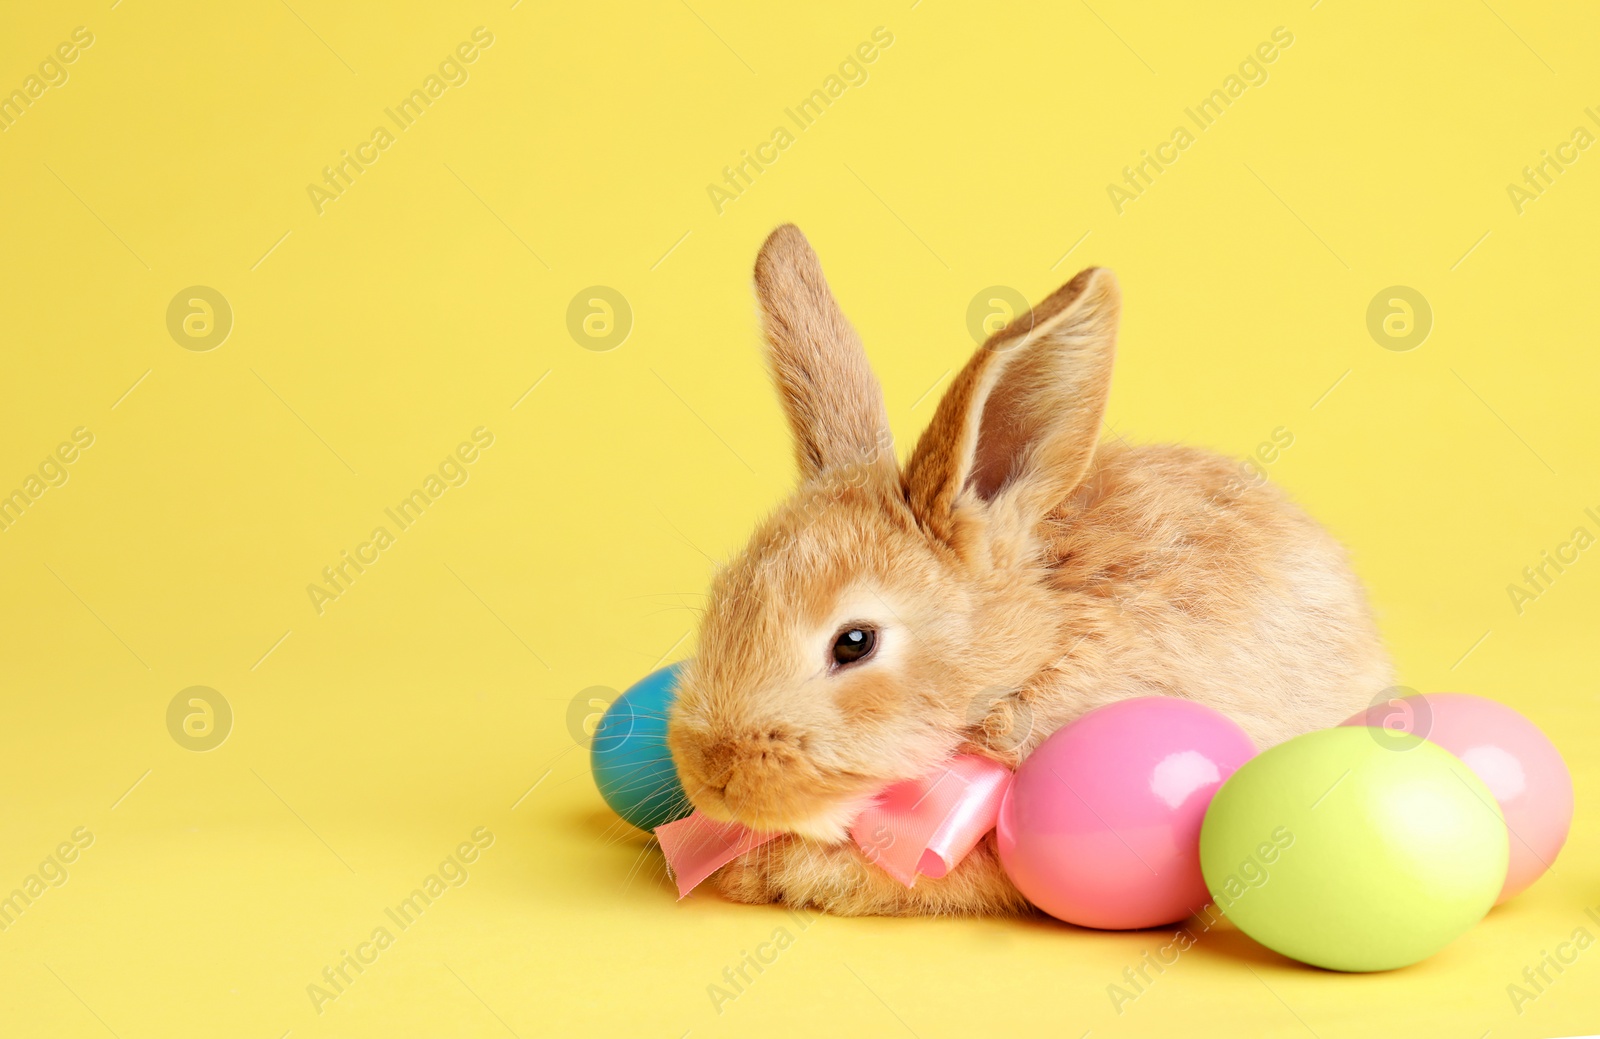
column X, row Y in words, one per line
column 629, row 757
column 1515, row 760
column 1354, row 850
column 1101, row 825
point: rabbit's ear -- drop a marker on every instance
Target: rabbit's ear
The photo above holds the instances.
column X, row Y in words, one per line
column 834, row 402
column 1020, row 423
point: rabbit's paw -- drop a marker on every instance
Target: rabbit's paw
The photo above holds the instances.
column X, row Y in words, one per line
column 751, row 877
column 839, row 879
column 802, row 874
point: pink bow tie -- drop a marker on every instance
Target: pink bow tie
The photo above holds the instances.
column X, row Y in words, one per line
column 922, row 826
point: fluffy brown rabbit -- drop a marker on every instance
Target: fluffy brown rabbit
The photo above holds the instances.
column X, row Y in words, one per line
column 1011, row 575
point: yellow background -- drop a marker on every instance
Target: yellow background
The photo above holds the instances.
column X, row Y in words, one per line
column 433, row 695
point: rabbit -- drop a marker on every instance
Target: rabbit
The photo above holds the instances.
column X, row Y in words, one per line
column 1014, row 573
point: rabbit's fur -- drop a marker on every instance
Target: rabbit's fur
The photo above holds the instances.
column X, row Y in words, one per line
column 1018, row 573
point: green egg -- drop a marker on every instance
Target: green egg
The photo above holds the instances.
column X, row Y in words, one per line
column 1354, row 849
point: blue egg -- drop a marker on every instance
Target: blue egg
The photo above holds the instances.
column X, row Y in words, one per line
column 629, row 757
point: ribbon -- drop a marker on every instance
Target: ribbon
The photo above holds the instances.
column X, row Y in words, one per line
column 922, row 826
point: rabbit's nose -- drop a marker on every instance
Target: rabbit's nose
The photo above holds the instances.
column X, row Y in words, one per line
column 723, row 756
column 718, row 757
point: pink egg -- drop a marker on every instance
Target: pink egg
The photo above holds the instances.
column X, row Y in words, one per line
column 1516, row 761
column 1101, row 826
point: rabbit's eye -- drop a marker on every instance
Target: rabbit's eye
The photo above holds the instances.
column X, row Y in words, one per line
column 854, row 645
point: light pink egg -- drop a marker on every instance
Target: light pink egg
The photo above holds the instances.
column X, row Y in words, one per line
column 1515, row 760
